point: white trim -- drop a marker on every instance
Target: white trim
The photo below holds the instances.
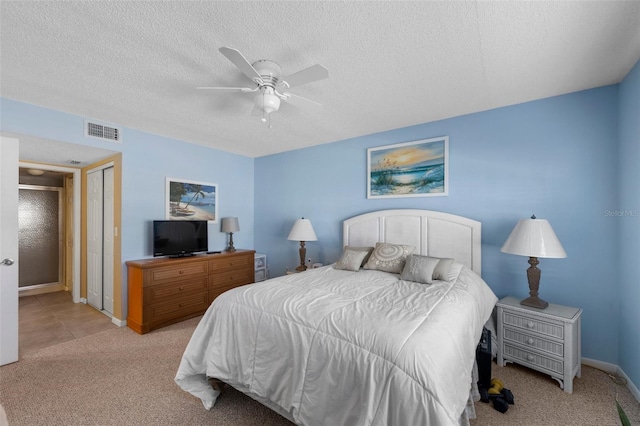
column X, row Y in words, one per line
column 77, row 196
column 119, row 322
column 613, row 369
column 630, row 385
column 601, row 365
column 83, row 300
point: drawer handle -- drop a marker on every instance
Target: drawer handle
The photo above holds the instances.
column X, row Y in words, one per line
column 530, row 358
column 181, row 288
column 530, row 341
column 530, row 324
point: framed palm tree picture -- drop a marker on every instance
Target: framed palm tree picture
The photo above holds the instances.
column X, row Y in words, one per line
column 191, row 200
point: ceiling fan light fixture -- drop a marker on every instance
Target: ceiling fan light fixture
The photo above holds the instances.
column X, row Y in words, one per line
column 268, row 101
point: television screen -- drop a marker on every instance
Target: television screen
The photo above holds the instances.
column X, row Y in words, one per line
column 179, row 237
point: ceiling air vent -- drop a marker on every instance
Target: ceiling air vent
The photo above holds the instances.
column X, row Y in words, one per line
column 95, row 129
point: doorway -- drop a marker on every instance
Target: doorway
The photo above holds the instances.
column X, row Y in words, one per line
column 41, row 223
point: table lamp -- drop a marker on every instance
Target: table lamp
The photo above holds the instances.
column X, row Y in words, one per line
column 230, row 225
column 302, row 231
column 534, row 238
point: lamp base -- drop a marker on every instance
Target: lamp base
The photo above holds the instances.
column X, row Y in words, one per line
column 534, row 302
column 303, row 252
column 231, row 248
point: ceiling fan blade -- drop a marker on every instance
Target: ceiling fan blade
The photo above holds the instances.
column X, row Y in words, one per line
column 241, row 62
column 301, row 102
column 231, row 89
column 307, row 75
column 257, row 111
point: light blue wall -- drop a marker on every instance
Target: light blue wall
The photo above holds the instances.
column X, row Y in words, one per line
column 629, row 224
column 555, row 158
column 147, row 160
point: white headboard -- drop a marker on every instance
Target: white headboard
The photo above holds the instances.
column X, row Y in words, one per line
column 432, row 233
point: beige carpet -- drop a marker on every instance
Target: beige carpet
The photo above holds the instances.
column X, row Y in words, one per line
column 118, row 377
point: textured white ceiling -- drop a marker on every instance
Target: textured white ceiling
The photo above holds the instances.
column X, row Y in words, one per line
column 391, row 64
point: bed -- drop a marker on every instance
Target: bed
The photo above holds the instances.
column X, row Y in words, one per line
column 361, row 345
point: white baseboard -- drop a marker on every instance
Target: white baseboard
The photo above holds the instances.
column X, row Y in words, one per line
column 83, row 300
column 613, row 369
column 119, row 322
column 632, row 387
column 601, row 365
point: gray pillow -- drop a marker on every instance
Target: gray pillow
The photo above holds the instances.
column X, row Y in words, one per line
column 352, row 258
column 442, row 269
column 369, row 250
column 389, row 257
column 419, row 269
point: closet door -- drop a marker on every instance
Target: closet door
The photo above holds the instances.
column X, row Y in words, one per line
column 100, row 238
column 108, row 235
column 94, row 238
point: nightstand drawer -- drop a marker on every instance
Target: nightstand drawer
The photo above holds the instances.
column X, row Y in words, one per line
column 534, row 359
column 530, row 323
column 534, row 342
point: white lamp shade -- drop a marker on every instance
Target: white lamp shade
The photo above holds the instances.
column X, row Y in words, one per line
column 230, row 224
column 534, row 238
column 302, row 231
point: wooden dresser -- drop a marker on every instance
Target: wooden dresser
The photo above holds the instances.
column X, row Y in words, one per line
column 164, row 291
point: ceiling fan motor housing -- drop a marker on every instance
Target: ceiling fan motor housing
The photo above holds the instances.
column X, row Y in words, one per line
column 269, row 71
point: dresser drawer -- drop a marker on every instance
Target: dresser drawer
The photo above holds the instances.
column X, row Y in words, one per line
column 231, row 278
column 533, row 358
column 169, row 291
column 542, row 326
column 533, row 341
column 177, row 307
column 217, row 291
column 178, row 272
column 230, row 263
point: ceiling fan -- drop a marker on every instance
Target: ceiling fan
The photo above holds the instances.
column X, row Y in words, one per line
column 269, row 83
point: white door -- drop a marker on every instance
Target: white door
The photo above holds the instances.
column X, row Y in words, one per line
column 107, row 247
column 94, row 239
column 8, row 250
column 100, row 235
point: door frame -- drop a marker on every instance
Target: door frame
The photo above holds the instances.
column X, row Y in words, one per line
column 117, row 316
column 77, row 223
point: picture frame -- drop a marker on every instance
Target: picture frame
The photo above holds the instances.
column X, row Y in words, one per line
column 410, row 169
column 191, row 200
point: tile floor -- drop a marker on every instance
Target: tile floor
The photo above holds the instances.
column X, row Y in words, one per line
column 48, row 319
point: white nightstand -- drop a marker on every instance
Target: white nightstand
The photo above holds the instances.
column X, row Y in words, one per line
column 261, row 270
column 547, row 340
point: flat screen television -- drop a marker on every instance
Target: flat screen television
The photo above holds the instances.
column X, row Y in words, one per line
column 177, row 238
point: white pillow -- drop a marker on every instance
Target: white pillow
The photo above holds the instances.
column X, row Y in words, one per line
column 389, row 257
column 442, row 269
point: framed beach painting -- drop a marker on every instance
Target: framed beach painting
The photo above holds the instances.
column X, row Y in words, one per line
column 410, row 169
column 191, row 200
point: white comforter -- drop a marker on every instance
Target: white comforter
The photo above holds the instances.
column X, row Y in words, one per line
column 332, row 347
